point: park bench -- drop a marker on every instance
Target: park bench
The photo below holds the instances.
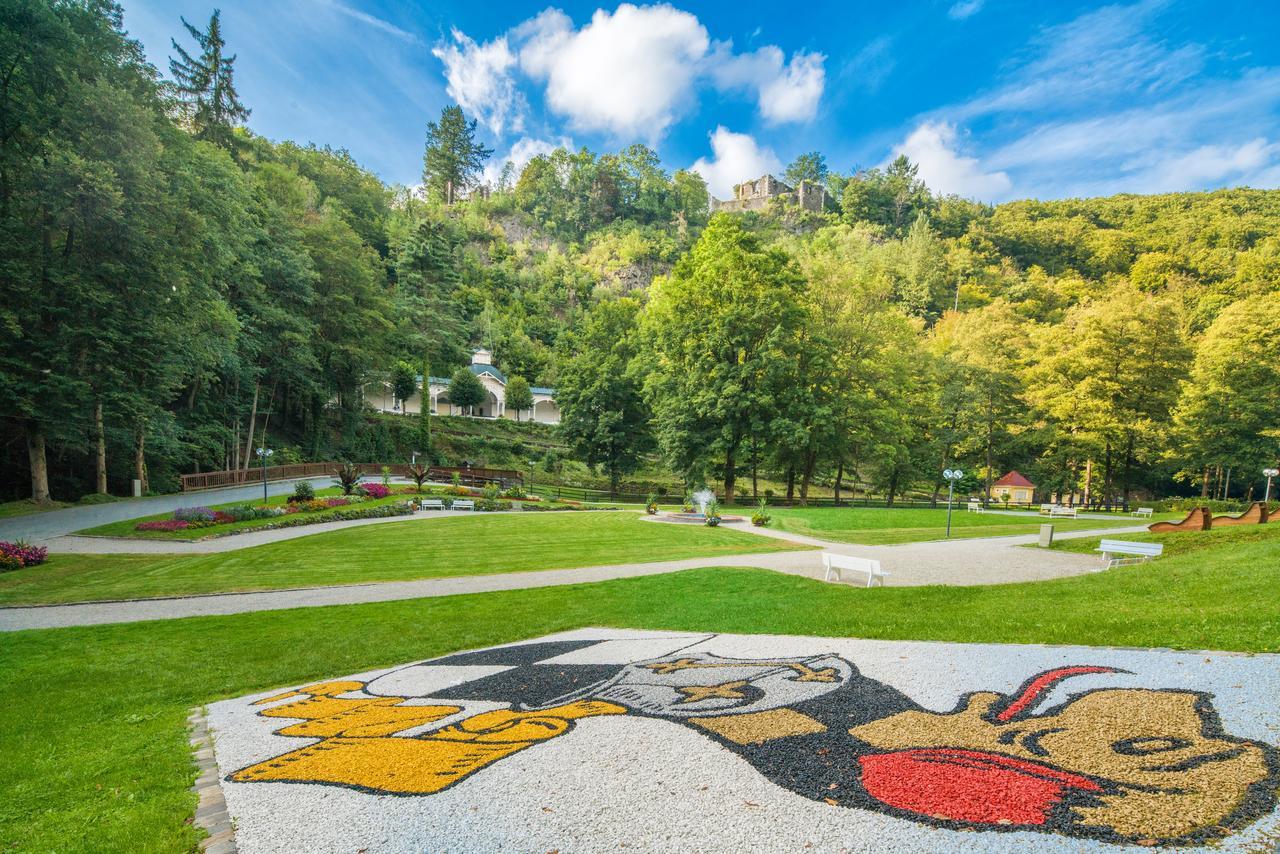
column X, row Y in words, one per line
column 1130, row 552
column 975, row 507
column 464, row 504
column 1144, row 512
column 432, row 504
column 834, row 563
column 1047, row 508
column 1063, row 511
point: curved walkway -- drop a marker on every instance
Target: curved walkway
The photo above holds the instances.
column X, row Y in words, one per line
column 977, row 561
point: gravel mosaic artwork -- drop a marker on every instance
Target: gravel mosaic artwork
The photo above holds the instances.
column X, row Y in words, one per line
column 604, row 738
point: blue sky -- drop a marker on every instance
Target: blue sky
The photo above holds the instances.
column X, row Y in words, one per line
column 994, row 99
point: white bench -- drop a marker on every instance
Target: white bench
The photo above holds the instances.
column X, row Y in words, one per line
column 431, row 504
column 834, row 563
column 975, row 507
column 1063, row 511
column 1144, row 512
column 464, row 504
column 1047, row 508
column 1132, row 552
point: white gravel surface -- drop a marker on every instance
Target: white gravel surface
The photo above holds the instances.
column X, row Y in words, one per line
column 651, row 783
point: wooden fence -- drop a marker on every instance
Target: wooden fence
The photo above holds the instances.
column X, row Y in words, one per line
column 466, row 476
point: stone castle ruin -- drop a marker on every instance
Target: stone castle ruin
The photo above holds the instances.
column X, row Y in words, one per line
column 756, row 195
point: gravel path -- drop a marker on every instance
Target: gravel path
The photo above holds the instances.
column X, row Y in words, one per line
column 607, row 739
column 40, row 527
column 964, row 562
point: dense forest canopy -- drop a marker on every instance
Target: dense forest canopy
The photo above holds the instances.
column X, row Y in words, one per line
column 175, row 285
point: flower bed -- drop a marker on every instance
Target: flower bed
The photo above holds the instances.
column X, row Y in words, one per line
column 374, row 490
column 19, row 555
column 381, row 511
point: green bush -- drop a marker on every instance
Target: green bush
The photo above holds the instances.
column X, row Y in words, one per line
column 96, row 498
column 303, row 491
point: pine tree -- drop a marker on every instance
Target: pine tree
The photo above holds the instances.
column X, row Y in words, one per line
column 453, row 159
column 206, row 86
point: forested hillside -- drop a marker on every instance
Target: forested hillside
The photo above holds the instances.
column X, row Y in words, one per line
column 174, row 285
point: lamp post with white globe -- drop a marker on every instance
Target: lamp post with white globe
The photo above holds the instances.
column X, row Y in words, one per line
column 1269, row 473
column 264, row 454
column 951, row 476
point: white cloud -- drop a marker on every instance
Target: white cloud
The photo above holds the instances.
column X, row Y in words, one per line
column 787, row 91
column 1256, row 163
column 737, row 158
column 375, row 22
column 932, row 147
column 522, row 151
column 965, row 9
column 479, row 78
column 627, row 73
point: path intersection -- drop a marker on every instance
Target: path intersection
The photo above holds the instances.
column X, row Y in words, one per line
column 609, row 739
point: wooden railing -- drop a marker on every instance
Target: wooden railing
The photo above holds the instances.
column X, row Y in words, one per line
column 467, row 476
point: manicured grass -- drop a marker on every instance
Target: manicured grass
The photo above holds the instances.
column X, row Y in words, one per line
column 876, row 526
column 95, row 717
column 395, row 551
column 26, row 506
column 1189, row 542
column 128, row 527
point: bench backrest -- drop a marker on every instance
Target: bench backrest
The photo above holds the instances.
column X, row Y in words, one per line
column 1129, row 547
column 831, row 560
column 464, row 502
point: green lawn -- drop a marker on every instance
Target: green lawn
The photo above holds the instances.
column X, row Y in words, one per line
column 1188, row 542
column 395, row 551
column 878, row 526
column 97, row 715
column 24, row 506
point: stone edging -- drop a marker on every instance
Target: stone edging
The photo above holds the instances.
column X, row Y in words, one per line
column 211, row 810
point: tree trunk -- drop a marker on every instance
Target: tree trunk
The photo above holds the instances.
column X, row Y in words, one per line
column 987, row 501
column 730, row 473
column 839, row 478
column 791, row 481
column 1106, row 476
column 811, row 459
column 39, row 463
column 140, row 458
column 755, row 469
column 1226, row 485
column 1204, row 483
column 893, row 489
column 253, row 418
column 101, row 460
column 1128, row 468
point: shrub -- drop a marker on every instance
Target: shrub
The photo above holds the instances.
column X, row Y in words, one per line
column 515, row 492
column 713, row 514
column 341, row 514
column 348, row 477
column 18, row 554
column 96, row 498
column 374, row 490
column 193, row 514
column 420, row 473
column 303, row 491
column 651, row 505
column 761, row 517
column 490, row 505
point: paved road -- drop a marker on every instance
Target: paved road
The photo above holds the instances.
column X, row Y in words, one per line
column 41, row 527
column 993, row 560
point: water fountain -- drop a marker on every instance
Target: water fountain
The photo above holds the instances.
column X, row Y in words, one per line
column 700, row 499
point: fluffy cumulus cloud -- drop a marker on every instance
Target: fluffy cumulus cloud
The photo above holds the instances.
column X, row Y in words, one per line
column 786, row 91
column 479, row 79
column 737, row 157
column 629, row 73
column 933, row 147
column 626, row 72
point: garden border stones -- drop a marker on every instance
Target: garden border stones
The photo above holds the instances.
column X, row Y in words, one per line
column 211, row 809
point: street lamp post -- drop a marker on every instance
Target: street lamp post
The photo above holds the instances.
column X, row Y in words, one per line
column 1269, row 473
column 264, row 454
column 951, row 476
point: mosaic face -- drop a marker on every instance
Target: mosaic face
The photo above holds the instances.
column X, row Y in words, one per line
column 1116, row 764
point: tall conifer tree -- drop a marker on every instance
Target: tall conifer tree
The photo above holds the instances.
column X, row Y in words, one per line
column 453, row 159
column 206, row 84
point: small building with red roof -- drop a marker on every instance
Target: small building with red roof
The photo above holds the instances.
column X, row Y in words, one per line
column 1015, row 488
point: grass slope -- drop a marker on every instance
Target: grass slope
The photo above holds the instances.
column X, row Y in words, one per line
column 97, row 715
column 395, row 551
column 874, row 526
